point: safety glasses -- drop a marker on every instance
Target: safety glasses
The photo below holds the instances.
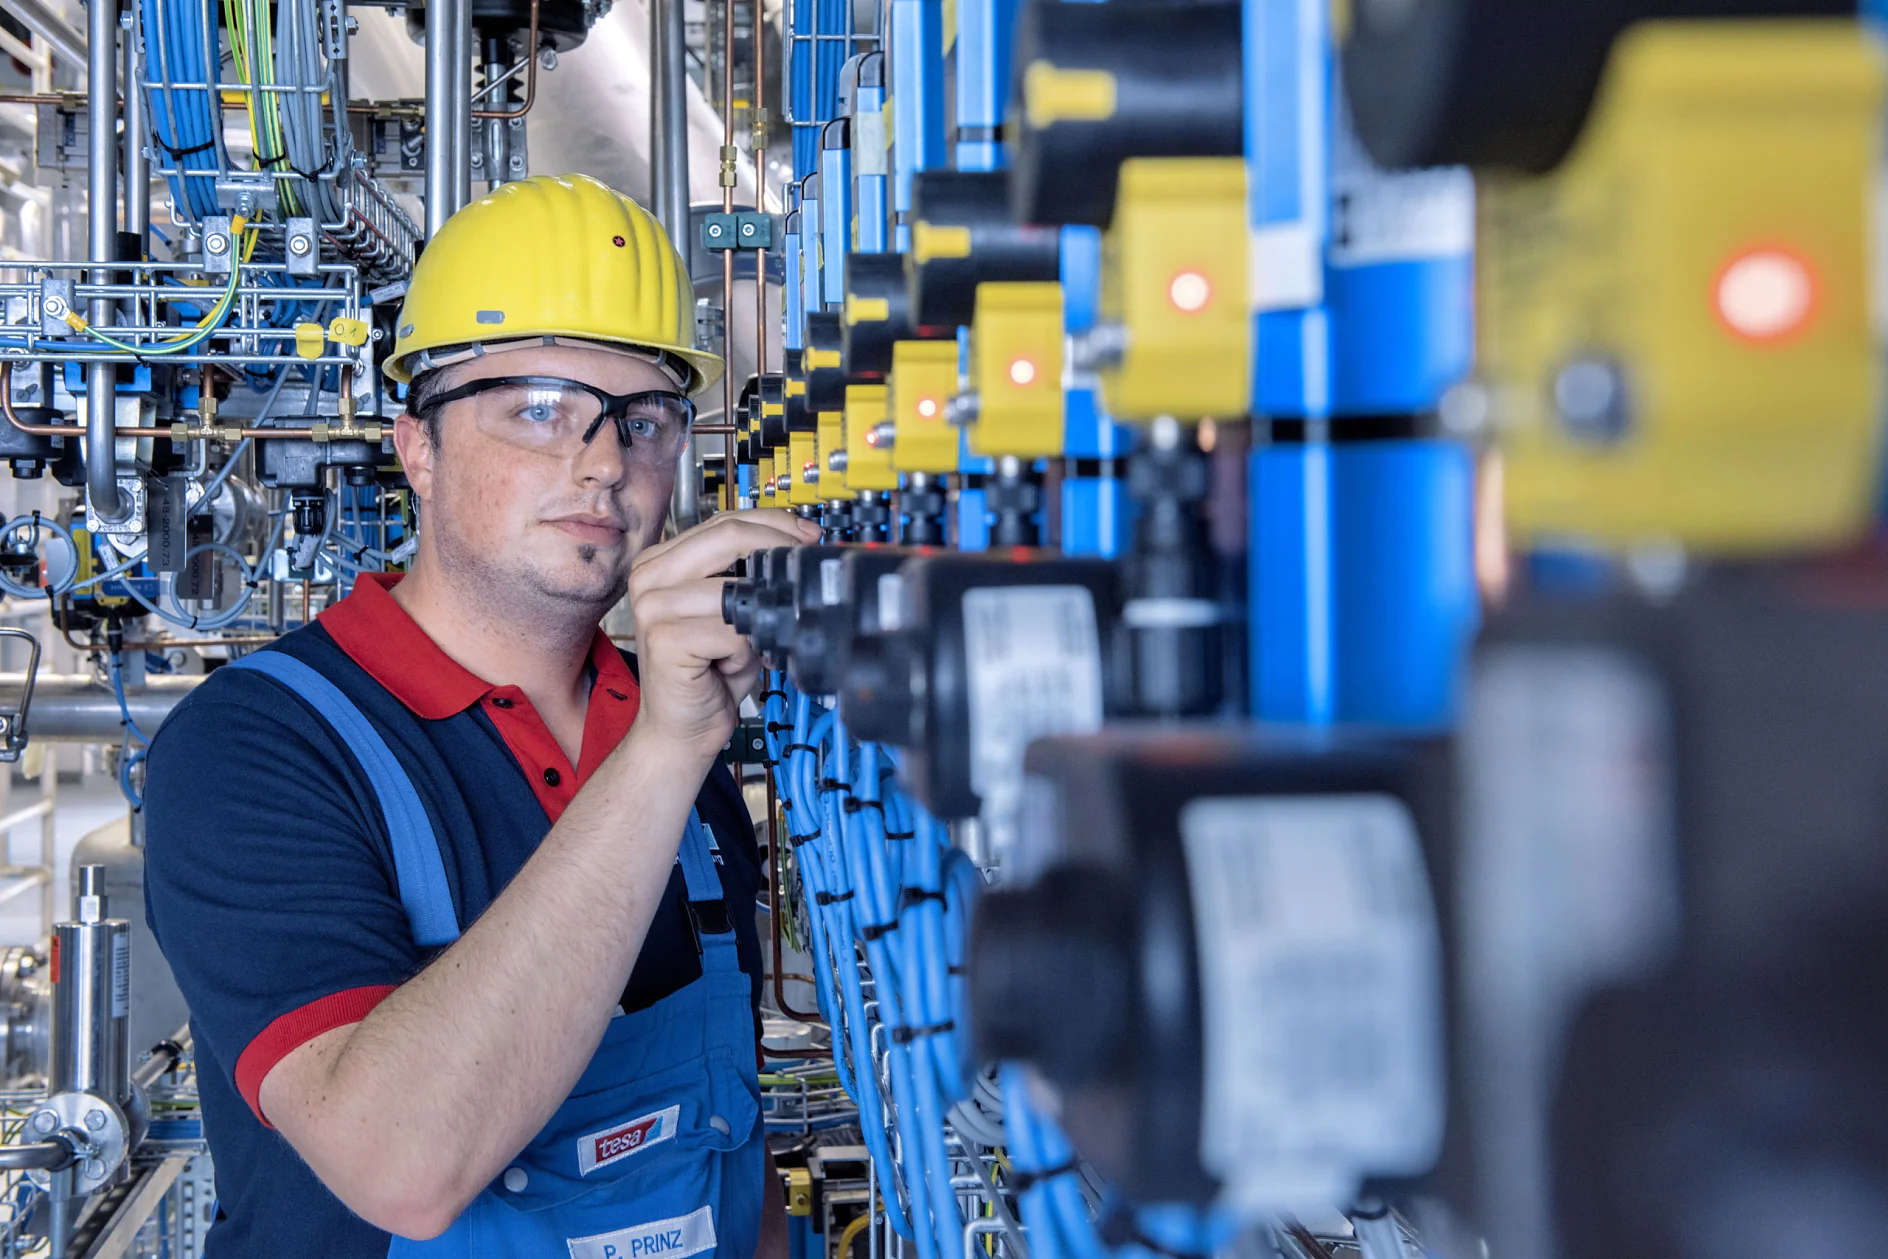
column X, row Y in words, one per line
column 560, row 417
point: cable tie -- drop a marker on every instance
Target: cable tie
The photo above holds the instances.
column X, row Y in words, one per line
column 1024, row 1180
column 205, row 147
column 827, row 898
column 801, row 747
column 800, row 840
column 956, row 970
column 779, row 727
column 901, row 834
column 834, row 784
column 769, row 694
column 853, row 804
column 905, row 1035
column 915, row 896
column 872, row 932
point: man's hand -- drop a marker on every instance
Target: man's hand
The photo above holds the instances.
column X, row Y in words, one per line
column 694, row 668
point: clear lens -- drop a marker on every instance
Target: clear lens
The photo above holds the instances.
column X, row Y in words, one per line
column 657, row 425
column 537, row 415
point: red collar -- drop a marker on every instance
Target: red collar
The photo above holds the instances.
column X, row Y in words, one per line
column 384, row 640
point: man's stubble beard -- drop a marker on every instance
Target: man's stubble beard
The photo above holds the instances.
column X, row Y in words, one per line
column 520, row 592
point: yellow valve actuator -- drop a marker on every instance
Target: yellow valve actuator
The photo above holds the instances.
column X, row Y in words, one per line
column 1673, row 326
column 1174, row 278
column 923, row 379
column 1016, row 345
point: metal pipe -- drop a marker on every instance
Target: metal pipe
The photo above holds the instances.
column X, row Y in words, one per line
column 530, row 64
column 137, row 159
column 124, row 430
column 462, row 99
column 448, row 29
column 37, row 1156
column 52, row 28
column 77, row 708
column 668, row 185
column 165, row 1055
column 101, row 383
column 727, row 255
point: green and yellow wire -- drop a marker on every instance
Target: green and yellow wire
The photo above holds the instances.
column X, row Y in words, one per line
column 251, row 44
column 205, row 326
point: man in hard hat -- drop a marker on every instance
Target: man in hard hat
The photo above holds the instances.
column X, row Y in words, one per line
column 460, row 898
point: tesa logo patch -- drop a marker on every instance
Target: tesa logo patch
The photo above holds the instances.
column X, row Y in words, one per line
column 619, row 1141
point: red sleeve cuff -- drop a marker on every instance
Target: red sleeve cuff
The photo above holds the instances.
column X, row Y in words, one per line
column 296, row 1028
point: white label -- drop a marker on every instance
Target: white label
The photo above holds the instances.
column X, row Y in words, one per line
column 831, row 586
column 1396, row 216
column 673, row 1239
column 1034, row 663
column 891, row 590
column 618, row 1141
column 121, row 974
column 1569, row 880
column 1321, row 987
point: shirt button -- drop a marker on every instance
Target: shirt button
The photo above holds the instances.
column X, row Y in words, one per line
column 516, row 1178
column 499, row 701
column 552, row 778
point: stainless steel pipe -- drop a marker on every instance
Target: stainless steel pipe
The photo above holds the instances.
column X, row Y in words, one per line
column 448, row 109
column 668, row 190
column 49, row 26
column 101, row 391
column 137, row 162
column 73, row 708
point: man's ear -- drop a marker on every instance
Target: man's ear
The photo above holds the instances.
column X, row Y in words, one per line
column 417, row 452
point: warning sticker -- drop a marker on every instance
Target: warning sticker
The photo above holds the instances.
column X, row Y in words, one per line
column 1321, row 988
column 1033, row 659
column 120, row 974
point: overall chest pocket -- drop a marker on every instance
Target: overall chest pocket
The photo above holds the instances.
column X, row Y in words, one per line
column 650, row 1143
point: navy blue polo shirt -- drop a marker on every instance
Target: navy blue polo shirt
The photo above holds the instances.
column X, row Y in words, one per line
column 270, row 881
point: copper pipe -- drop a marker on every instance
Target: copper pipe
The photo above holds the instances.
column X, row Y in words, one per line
column 530, row 75
column 123, row 430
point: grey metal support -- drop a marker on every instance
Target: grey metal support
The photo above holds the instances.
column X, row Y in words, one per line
column 49, row 26
column 101, row 116
column 137, row 165
column 668, row 138
column 448, row 109
column 668, row 190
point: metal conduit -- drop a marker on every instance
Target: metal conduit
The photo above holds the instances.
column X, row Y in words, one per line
column 101, row 383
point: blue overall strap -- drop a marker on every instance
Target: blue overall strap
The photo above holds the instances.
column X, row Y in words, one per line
column 698, row 861
column 418, row 867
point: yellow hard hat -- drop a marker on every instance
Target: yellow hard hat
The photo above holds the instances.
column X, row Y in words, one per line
column 551, row 256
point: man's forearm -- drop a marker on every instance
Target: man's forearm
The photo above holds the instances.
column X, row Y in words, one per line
column 409, row 1113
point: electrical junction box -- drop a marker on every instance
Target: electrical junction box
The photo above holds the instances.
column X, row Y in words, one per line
column 1674, row 326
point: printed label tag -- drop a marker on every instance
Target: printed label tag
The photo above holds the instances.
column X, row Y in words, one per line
column 618, row 1141
column 673, row 1239
column 1321, row 982
column 1034, row 659
column 121, row 975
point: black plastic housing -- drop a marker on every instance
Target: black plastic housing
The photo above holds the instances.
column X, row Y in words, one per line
column 1178, row 92
column 943, row 289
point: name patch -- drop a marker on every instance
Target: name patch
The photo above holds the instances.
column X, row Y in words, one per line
column 619, row 1141
column 678, row 1238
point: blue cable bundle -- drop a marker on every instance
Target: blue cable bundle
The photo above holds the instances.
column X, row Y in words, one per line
column 181, row 46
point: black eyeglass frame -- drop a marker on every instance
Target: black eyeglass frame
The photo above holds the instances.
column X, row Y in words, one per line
column 615, row 405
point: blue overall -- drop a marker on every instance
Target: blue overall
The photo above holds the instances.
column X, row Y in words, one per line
column 658, row 1149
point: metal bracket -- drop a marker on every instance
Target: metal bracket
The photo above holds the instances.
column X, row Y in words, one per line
column 743, row 229
column 303, row 252
column 55, row 303
column 219, row 245
column 13, row 724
